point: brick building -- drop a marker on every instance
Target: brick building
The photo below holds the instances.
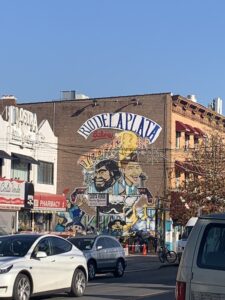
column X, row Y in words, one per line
column 146, row 137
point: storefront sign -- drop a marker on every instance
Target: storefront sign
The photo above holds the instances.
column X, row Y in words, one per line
column 12, row 193
column 98, row 199
column 22, row 125
column 49, row 202
column 142, row 126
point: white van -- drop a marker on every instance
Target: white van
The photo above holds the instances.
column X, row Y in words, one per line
column 183, row 239
column 201, row 272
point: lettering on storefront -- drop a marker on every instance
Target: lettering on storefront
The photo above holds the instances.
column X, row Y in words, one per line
column 23, row 126
column 140, row 125
column 12, row 192
column 49, row 204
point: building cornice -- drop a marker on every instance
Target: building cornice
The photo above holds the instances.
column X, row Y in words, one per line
column 198, row 112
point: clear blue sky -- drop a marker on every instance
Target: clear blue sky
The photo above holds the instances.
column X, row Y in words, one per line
column 105, row 48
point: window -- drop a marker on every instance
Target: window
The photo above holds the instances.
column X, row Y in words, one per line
column 187, row 141
column 20, row 170
column 111, row 243
column 212, row 249
column 196, row 142
column 101, row 243
column 178, row 135
column 60, row 246
column 177, row 180
column 44, row 246
column 45, row 172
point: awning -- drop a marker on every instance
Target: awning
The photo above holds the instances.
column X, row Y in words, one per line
column 188, row 129
column 4, row 154
column 188, row 167
column 201, row 133
column 193, row 130
column 25, row 158
column 49, row 202
column 182, row 127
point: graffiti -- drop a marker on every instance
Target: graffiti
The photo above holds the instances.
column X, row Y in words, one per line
column 106, row 178
column 142, row 126
column 114, row 170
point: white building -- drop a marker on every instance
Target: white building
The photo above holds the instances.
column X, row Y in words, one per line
column 28, row 172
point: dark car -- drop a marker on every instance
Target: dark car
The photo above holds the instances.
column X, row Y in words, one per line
column 103, row 253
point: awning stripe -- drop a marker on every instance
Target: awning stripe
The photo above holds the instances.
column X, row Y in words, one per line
column 188, row 129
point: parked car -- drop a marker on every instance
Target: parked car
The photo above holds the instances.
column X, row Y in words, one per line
column 201, row 272
column 183, row 238
column 32, row 263
column 103, row 253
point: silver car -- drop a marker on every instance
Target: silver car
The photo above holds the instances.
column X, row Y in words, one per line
column 103, row 253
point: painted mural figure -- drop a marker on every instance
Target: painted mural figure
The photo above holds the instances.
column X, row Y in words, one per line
column 61, row 222
column 131, row 175
column 106, row 178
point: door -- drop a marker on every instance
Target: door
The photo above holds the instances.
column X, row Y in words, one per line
column 208, row 273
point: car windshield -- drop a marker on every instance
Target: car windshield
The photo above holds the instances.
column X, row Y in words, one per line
column 16, row 245
column 83, row 243
column 186, row 232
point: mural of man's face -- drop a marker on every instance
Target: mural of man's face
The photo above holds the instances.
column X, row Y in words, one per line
column 103, row 179
column 132, row 172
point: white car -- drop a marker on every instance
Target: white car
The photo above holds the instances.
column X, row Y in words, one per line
column 201, row 273
column 31, row 264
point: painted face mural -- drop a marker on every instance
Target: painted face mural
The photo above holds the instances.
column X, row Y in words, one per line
column 106, row 174
column 114, row 169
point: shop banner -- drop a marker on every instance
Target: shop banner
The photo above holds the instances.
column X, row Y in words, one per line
column 49, row 202
column 12, row 193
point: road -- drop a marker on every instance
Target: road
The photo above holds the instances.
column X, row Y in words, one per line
column 144, row 279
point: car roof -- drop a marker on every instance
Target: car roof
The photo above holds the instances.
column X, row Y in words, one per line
column 90, row 236
column 218, row 216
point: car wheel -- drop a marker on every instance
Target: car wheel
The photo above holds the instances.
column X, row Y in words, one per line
column 120, row 268
column 91, row 270
column 78, row 283
column 22, row 288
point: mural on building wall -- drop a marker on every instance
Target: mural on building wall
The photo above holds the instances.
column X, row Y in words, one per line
column 114, row 169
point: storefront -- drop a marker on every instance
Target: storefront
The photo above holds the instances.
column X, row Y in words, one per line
column 41, row 218
column 15, row 195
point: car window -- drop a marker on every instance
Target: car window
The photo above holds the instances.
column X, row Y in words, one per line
column 101, row 243
column 43, row 245
column 16, row 245
column 212, row 248
column 82, row 243
column 111, row 243
column 59, row 246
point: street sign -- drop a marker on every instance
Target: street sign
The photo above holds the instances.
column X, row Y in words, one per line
column 98, row 199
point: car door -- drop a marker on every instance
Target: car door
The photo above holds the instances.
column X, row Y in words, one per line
column 208, row 270
column 65, row 260
column 101, row 253
column 111, row 251
column 43, row 270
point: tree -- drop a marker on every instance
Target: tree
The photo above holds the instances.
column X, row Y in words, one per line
column 203, row 190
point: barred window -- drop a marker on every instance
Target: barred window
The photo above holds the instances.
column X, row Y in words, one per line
column 45, row 172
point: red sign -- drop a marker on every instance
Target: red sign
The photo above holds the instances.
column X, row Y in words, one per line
column 12, row 193
column 52, row 202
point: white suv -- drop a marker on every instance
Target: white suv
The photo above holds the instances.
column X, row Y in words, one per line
column 201, row 273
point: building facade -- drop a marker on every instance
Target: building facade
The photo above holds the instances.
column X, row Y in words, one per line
column 116, row 156
column 28, row 171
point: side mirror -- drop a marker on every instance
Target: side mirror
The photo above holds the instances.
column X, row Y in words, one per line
column 99, row 247
column 41, row 254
